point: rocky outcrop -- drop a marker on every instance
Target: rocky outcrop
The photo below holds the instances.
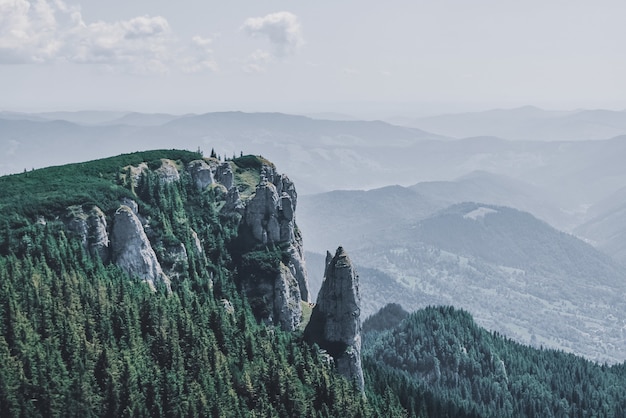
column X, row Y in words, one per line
column 335, row 323
column 268, row 220
column 201, row 174
column 131, row 249
column 168, row 172
column 98, row 237
column 233, row 202
column 91, row 228
column 262, row 213
column 175, row 261
column 210, row 171
column 224, row 175
column 135, row 173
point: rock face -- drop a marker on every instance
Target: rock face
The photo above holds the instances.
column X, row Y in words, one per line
column 224, row 175
column 287, row 308
column 168, row 173
column 91, row 227
column 269, row 218
column 335, row 323
column 201, row 173
column 210, row 171
column 131, row 249
column 98, row 237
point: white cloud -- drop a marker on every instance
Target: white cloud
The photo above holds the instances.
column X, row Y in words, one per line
column 282, row 29
column 40, row 31
column 141, row 45
column 200, row 57
column 28, row 31
column 257, row 62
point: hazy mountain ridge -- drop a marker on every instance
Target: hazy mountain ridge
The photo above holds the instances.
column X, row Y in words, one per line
column 514, row 273
column 526, row 123
column 606, row 228
column 324, row 155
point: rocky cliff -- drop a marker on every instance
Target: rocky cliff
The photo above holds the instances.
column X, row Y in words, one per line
column 249, row 193
column 268, row 220
column 131, row 249
column 91, row 228
column 335, row 323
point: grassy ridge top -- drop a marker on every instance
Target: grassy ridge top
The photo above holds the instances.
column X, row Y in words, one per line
column 48, row 190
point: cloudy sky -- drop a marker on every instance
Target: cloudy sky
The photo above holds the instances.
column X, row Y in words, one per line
column 353, row 56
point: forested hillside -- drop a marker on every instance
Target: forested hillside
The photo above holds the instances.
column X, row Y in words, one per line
column 81, row 337
column 486, row 374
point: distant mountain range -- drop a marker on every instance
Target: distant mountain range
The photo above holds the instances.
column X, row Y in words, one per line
column 562, row 183
column 513, row 272
column 606, row 227
column 323, row 155
column 526, row 123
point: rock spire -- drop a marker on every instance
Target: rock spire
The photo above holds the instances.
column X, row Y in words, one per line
column 335, row 323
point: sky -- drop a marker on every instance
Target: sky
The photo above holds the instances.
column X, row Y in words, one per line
column 362, row 57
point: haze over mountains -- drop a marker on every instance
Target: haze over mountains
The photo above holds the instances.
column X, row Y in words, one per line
column 571, row 178
column 526, row 123
column 516, row 274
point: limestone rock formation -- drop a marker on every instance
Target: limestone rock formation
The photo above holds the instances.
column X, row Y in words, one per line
column 98, row 237
column 201, row 174
column 210, row 171
column 262, row 213
column 287, row 307
column 135, row 173
column 131, row 249
column 233, row 202
column 268, row 220
column 224, row 175
column 168, row 172
column 335, row 323
column 91, row 227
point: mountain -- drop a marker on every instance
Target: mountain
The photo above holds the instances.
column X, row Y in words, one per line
column 513, row 272
column 142, row 119
column 606, row 226
column 365, row 213
column 20, row 116
column 147, row 284
column 83, row 117
column 497, row 189
column 315, row 148
column 163, row 283
column 526, row 123
column 325, row 155
column 443, row 352
column 556, row 181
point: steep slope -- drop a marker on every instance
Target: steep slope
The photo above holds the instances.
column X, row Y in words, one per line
column 144, row 235
column 350, row 216
column 514, row 273
column 444, row 352
column 606, row 226
column 497, row 189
